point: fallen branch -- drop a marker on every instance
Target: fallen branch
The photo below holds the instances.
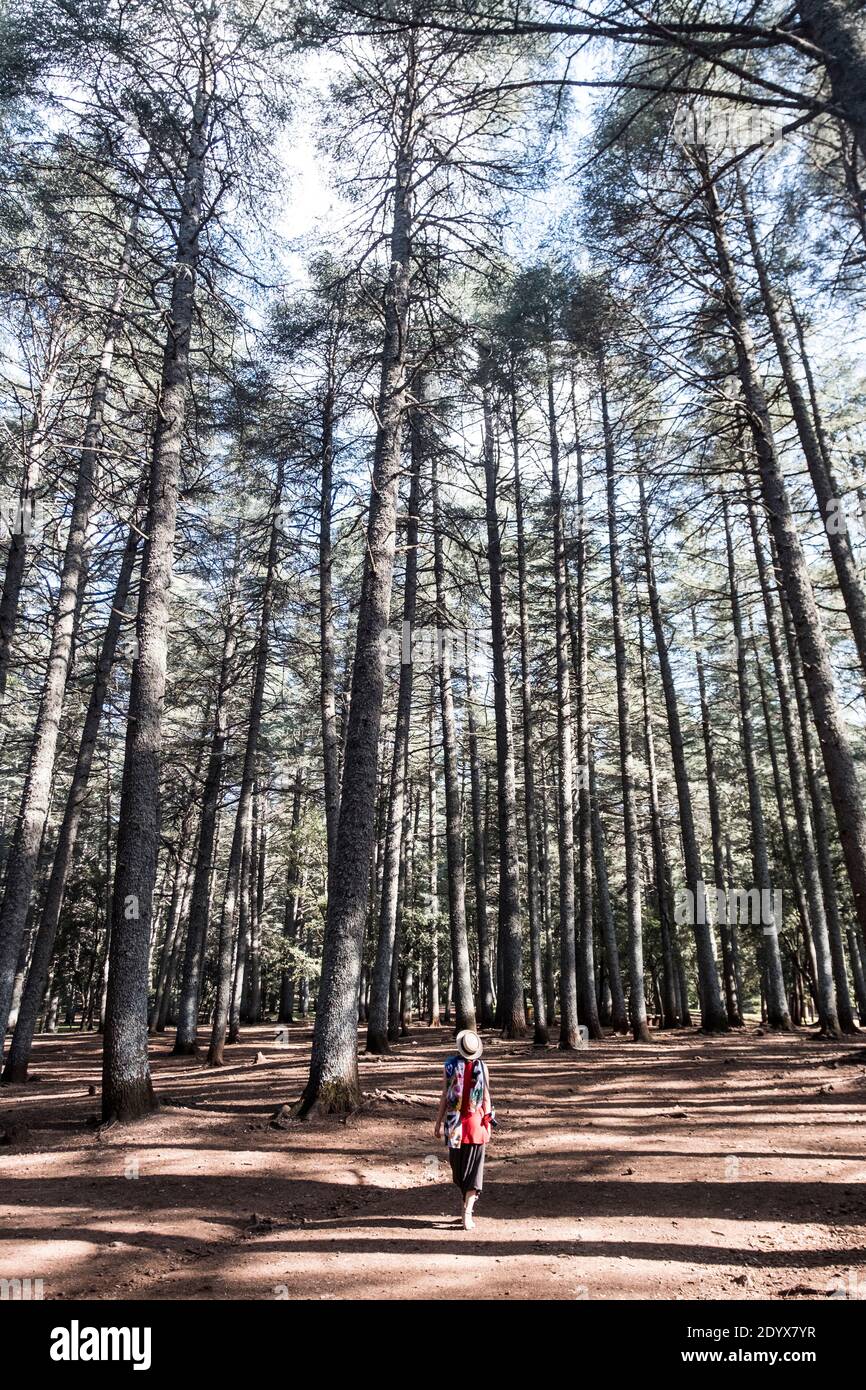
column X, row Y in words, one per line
column 399, row 1096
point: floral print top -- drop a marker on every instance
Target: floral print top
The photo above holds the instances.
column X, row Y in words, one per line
column 454, row 1073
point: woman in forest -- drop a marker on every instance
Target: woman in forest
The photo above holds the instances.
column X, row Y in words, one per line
column 466, row 1109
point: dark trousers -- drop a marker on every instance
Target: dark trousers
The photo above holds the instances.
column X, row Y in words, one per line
column 467, row 1167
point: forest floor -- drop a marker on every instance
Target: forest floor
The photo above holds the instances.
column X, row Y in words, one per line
column 689, row 1168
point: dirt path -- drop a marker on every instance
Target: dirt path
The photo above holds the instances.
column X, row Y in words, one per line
column 685, row 1169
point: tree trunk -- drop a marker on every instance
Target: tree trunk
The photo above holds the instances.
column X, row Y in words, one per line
column 569, row 1037
column 580, row 656
column 377, row 1028
column 732, row 985
column 257, row 892
column 333, row 1080
column 826, row 487
column 618, row 1012
column 785, row 836
column 16, row 557
column 839, row 765
column 808, row 862
column 407, row 904
column 127, row 1091
column 181, row 885
column 433, row 869
column 165, row 1013
column 235, row 884
column 465, row 1005
column 486, row 1002
column 196, row 937
column 510, row 1009
column 713, row 1015
column 23, row 856
column 637, row 999
column 546, row 895
column 327, row 671
column 822, row 831
column 539, row 1008
column 22, row 1040
column 858, row 970
column 304, row 989
column 242, row 943
column 835, row 27
column 406, row 986
column 291, row 914
column 172, row 927
column 668, row 993
column 769, row 956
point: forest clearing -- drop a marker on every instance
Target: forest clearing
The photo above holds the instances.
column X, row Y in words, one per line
column 432, row 652
column 687, row 1169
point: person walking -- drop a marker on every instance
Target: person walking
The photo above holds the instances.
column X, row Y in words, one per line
column 465, row 1108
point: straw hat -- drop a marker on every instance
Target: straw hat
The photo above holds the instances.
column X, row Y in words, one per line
column 469, row 1045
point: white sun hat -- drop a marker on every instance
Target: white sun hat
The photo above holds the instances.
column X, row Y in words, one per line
column 469, row 1045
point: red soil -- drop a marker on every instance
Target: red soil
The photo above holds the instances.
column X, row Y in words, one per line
column 691, row 1168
